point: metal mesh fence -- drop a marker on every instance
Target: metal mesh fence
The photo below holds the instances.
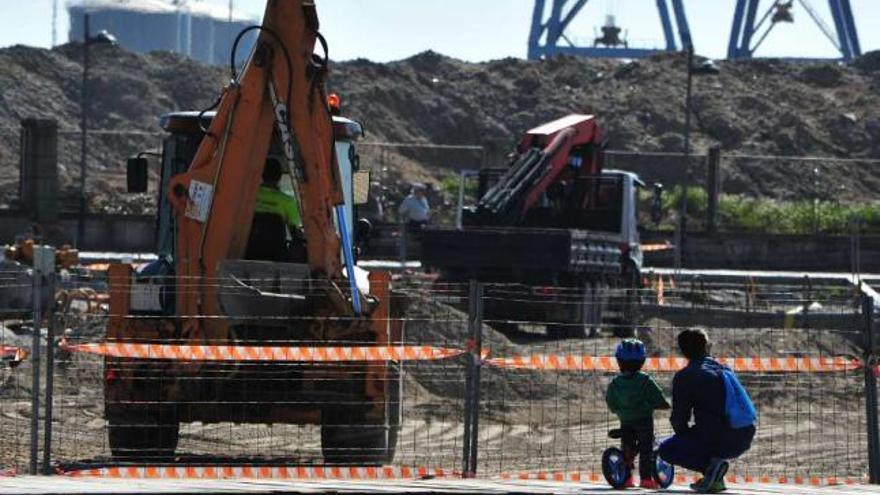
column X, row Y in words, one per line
column 15, row 402
column 282, row 390
column 16, row 342
column 547, row 412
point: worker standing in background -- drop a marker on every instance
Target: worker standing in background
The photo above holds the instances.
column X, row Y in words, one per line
column 415, row 210
column 414, row 213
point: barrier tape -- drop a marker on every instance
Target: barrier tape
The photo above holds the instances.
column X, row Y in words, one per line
column 787, row 480
column 580, row 477
column 357, row 473
column 540, row 362
column 261, row 472
column 264, row 353
column 555, row 362
column 573, row 477
column 14, row 354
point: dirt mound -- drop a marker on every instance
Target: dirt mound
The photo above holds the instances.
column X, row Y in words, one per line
column 128, row 93
column 763, row 107
column 869, row 62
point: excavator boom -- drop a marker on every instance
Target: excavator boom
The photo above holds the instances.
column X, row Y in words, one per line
column 281, row 88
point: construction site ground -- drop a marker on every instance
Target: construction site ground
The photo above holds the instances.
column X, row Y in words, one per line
column 60, row 485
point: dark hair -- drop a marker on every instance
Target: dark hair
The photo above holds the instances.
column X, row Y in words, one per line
column 694, row 344
column 630, row 366
column 272, row 171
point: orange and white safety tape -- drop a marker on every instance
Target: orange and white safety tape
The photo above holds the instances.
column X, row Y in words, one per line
column 359, row 473
column 784, row 480
column 556, row 362
column 792, row 364
column 262, row 472
column 562, row 477
column 264, row 353
column 540, row 362
column 14, row 354
column 592, row 477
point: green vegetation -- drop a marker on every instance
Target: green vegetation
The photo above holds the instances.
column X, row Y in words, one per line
column 697, row 200
column 450, row 184
column 738, row 213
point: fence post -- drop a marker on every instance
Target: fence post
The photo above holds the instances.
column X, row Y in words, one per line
column 472, row 382
column 35, row 363
column 713, row 188
column 50, row 380
column 871, row 390
column 402, row 249
column 44, row 266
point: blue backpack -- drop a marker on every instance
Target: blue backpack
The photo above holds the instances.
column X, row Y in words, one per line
column 738, row 406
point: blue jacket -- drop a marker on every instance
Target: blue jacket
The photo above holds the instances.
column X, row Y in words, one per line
column 698, row 391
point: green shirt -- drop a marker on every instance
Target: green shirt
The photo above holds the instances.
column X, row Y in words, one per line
column 271, row 200
column 633, row 397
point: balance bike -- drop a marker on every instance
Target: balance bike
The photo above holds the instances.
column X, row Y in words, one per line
column 616, row 465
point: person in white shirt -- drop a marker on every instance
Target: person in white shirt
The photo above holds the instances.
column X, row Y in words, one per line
column 414, row 213
column 415, row 210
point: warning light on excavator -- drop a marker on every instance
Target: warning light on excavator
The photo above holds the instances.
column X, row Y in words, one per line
column 335, row 103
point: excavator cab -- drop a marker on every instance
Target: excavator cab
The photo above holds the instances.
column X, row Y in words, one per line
column 185, row 133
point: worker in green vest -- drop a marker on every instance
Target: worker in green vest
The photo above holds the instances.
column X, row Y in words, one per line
column 276, row 231
column 270, row 199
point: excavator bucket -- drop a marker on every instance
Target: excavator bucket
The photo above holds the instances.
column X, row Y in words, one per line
column 263, row 292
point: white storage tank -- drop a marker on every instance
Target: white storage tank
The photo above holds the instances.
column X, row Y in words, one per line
column 199, row 30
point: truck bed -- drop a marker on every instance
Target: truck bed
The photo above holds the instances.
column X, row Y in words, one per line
column 486, row 249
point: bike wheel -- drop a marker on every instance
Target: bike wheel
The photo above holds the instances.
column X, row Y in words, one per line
column 614, row 467
column 664, row 473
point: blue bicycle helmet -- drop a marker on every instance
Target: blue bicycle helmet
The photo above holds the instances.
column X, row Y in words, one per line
column 631, row 350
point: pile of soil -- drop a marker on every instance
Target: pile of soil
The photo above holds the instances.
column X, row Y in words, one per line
column 755, row 107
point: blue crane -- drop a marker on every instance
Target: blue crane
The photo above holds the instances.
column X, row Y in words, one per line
column 749, row 32
column 548, row 37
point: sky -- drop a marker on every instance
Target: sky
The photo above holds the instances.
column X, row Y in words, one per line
column 479, row 30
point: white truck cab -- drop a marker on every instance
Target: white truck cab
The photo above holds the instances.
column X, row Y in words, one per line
column 629, row 218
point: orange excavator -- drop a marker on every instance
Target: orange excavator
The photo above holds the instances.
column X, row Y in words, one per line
column 203, row 291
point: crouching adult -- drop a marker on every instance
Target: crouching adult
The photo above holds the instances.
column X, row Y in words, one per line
column 699, row 392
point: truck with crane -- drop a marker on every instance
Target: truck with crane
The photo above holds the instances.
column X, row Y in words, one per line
column 207, row 289
column 554, row 235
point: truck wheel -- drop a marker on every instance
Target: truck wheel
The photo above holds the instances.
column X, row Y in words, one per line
column 350, row 437
column 147, row 434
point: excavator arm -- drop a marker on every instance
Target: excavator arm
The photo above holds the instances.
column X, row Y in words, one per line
column 281, row 89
